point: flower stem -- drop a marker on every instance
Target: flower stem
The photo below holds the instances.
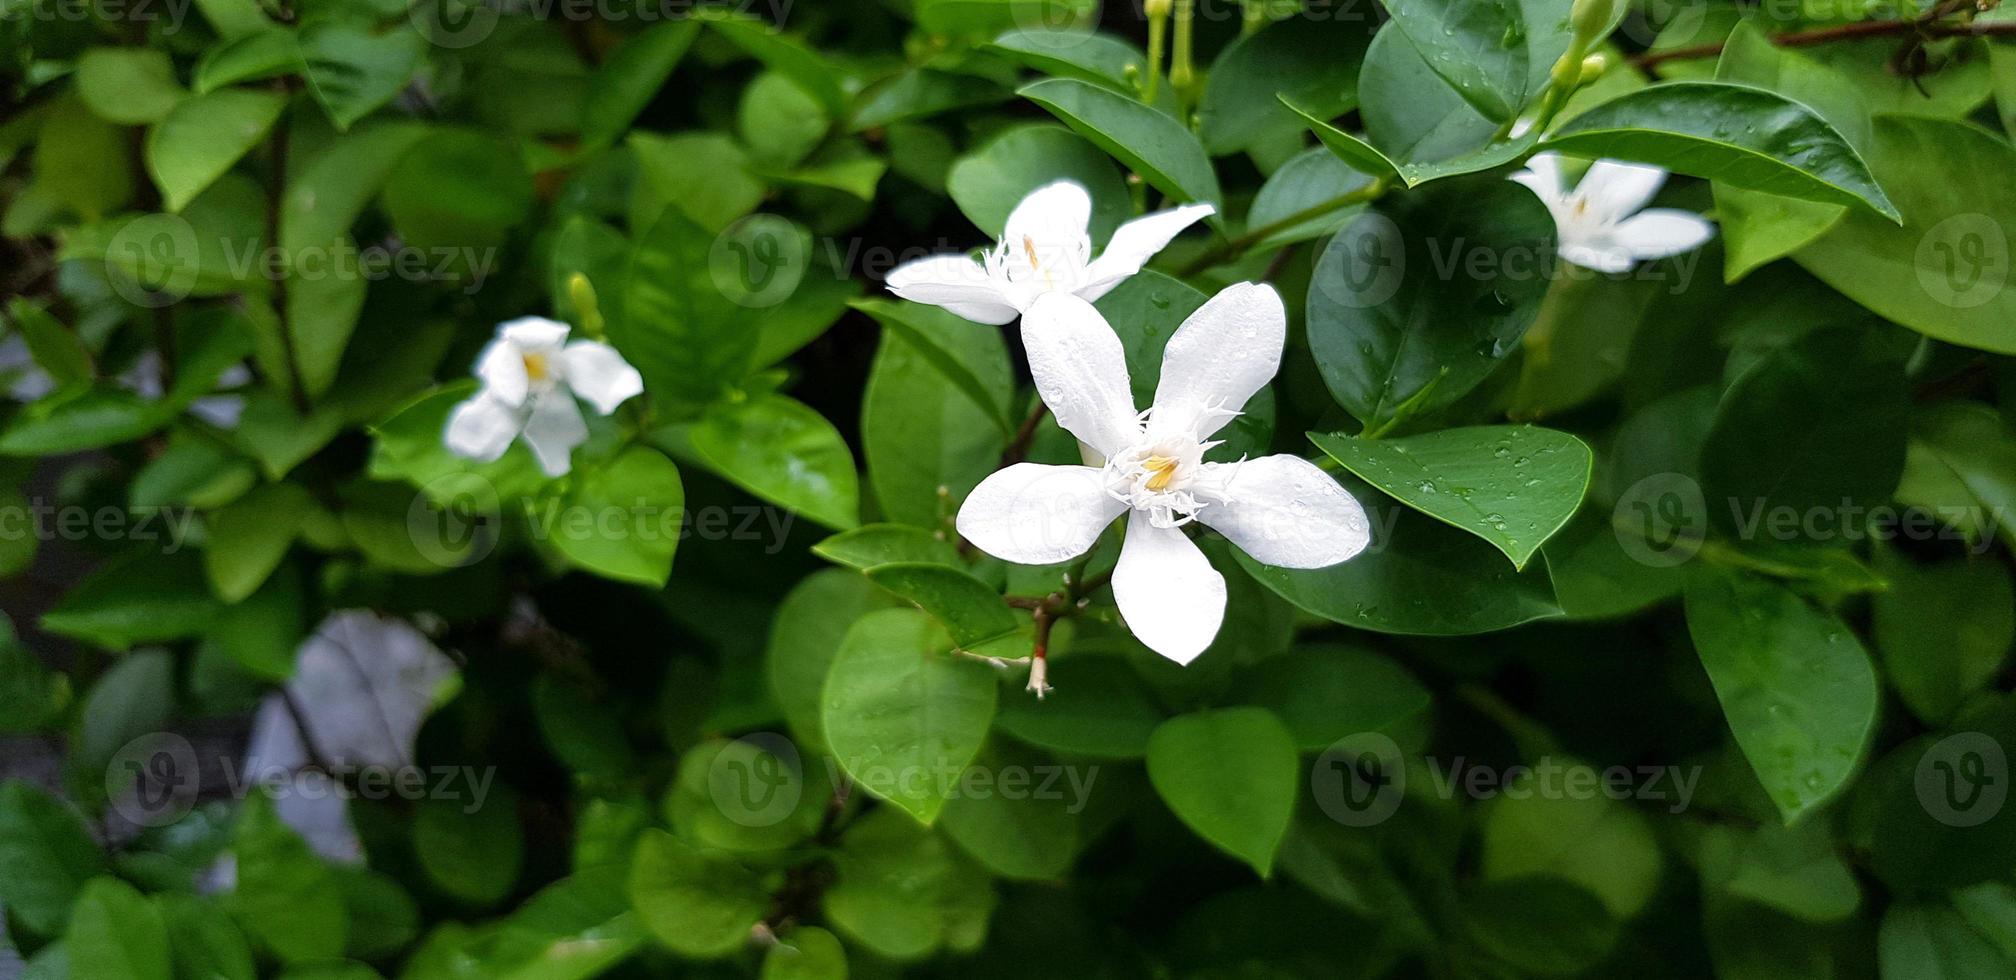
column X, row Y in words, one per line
column 1237, row 246
column 1158, row 30
column 1182, row 75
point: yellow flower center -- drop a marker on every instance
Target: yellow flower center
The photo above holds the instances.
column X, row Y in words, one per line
column 536, row 367
column 1163, row 470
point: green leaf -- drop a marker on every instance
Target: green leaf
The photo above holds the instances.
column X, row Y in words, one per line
column 1419, row 576
column 1366, row 158
column 920, row 431
column 804, row 637
column 200, row 139
column 674, row 323
column 1313, row 62
column 1946, row 271
column 920, row 93
column 85, row 418
column 1098, row 708
column 456, row 192
column 352, row 70
column 880, row 544
column 249, row 58
column 903, row 892
column 1151, row 144
column 668, row 167
column 204, row 940
column 902, row 714
column 1314, row 176
column 1817, row 426
column 49, row 856
column 1795, row 870
column 783, row 53
column 408, row 447
column 1932, row 816
column 69, row 161
column 751, row 795
column 141, row 599
column 129, row 86
column 1735, row 134
column 135, row 698
column 332, row 186
column 642, row 487
column 287, row 898
column 1512, row 485
column 1102, row 59
column 1326, row 693
column 1795, row 684
column 927, row 331
column 1759, row 227
column 1230, row 774
column 1943, row 629
column 1961, row 459
column 249, row 537
column 1397, row 327
column 969, row 609
column 1479, row 48
column 472, row 854
column 695, row 903
column 781, row 450
column 1541, row 925
column 805, row 953
column 31, row 695
column 780, row 122
column 1929, row 940
column 56, row 348
column 632, row 76
column 1592, row 840
column 988, row 182
column 116, row 934
column 1022, row 823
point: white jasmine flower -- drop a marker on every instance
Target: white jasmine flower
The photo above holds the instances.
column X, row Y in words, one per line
column 221, row 410
column 1603, row 223
column 531, row 376
column 1282, row 510
column 1044, row 248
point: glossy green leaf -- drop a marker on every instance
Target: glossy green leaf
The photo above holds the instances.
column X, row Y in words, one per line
column 1021, row 819
column 473, row 852
column 805, row 635
column 902, row 714
column 696, row 903
column 988, row 182
column 49, row 855
column 203, row 136
column 249, row 537
column 1313, row 62
column 1098, row 707
column 1943, row 629
column 137, row 600
column 781, row 450
column 632, row 77
column 1961, row 463
column 1795, row 684
column 287, row 898
column 675, row 324
column 805, row 953
column 116, row 934
column 353, row 70
column 1151, row 144
column 969, row 609
column 1326, row 693
column 1601, row 844
column 1735, row 134
column 926, row 332
column 926, row 439
column 634, row 504
column 1231, row 775
column 870, row 545
column 129, row 86
column 1479, row 48
column 902, row 890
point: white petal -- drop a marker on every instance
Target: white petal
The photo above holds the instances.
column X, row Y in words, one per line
column 501, row 368
column 1134, row 243
column 482, row 428
column 1222, row 354
column 222, row 411
column 1619, row 189
column 1543, row 176
column 1602, row 254
column 1054, row 216
column 534, row 334
column 596, row 372
column 1171, row 597
column 1659, row 232
column 1284, row 511
column 955, row 282
column 553, row 430
column 1035, row 514
column 1081, row 371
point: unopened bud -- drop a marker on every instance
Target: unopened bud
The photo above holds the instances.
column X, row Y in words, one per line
column 1593, row 68
column 587, row 314
column 1590, row 18
column 1156, row 8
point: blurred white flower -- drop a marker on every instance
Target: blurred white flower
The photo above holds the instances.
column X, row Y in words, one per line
column 24, row 379
column 1602, row 223
column 1282, row 510
column 222, row 410
column 1044, row 248
column 531, row 376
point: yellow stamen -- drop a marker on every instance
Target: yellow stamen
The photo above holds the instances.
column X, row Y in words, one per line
column 536, row 367
column 1036, row 263
column 1581, row 206
column 1164, row 470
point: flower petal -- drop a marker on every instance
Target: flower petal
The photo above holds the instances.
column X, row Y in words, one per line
column 1284, row 511
column 596, row 372
column 482, row 428
column 1171, row 597
column 1222, row 354
column 955, row 282
column 1659, row 232
column 1134, row 243
column 1618, row 189
column 1081, row 371
column 1542, row 176
column 533, row 334
column 553, row 430
column 1036, row 514
column 1053, row 216
column 1601, row 253
column 222, row 411
column 501, row 368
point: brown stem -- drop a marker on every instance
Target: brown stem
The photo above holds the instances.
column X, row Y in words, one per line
column 1842, row 32
column 1018, row 445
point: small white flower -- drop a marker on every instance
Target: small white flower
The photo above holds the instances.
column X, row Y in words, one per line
column 24, row 380
column 1282, row 510
column 220, row 410
column 1044, row 248
column 531, row 376
column 1603, row 223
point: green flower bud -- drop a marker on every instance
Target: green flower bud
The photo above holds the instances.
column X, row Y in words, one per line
column 1591, row 18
